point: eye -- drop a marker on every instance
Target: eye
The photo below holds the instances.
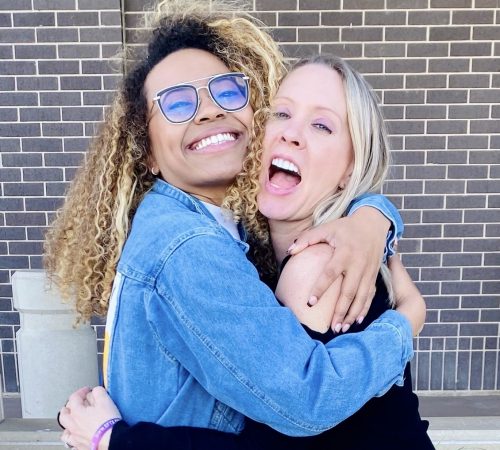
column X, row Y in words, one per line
column 228, row 94
column 280, row 115
column 178, row 105
column 322, row 127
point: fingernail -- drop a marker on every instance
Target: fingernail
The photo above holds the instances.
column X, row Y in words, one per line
column 360, row 319
column 345, row 328
column 312, row 301
column 291, row 248
column 338, row 327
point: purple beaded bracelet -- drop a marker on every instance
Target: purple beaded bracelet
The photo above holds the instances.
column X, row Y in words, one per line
column 94, row 445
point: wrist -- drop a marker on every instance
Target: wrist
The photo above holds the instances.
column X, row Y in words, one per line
column 374, row 217
column 102, row 435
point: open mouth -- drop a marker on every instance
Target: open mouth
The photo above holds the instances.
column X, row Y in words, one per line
column 284, row 174
column 215, row 139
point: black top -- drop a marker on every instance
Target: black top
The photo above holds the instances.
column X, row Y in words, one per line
column 390, row 422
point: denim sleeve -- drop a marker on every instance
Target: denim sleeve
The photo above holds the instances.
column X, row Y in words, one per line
column 383, row 204
column 210, row 311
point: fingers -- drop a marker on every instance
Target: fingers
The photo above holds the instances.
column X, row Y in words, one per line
column 316, row 235
column 90, row 398
column 66, row 439
column 78, row 397
column 65, row 418
column 330, row 273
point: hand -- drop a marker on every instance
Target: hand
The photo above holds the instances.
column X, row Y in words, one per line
column 359, row 242
column 85, row 411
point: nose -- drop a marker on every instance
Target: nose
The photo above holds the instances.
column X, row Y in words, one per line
column 208, row 109
column 292, row 135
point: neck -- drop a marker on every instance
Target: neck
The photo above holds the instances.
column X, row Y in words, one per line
column 283, row 233
column 215, row 198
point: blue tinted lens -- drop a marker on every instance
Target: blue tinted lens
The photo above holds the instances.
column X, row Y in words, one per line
column 230, row 92
column 179, row 103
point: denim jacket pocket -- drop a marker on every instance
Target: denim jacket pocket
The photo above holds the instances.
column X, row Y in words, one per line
column 225, row 418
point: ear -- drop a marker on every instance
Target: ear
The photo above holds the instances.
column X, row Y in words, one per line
column 347, row 176
column 153, row 166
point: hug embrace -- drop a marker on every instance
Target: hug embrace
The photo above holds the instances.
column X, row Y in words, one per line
column 227, row 223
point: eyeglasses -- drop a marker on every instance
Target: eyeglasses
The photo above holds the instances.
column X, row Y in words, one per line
column 180, row 103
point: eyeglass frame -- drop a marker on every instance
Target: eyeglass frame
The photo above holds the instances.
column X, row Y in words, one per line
column 156, row 98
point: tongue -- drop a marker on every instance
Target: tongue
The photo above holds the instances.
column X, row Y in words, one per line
column 285, row 180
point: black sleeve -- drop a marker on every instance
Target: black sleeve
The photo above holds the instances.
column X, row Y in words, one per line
column 152, row 436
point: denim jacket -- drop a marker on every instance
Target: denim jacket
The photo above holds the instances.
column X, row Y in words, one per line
column 197, row 340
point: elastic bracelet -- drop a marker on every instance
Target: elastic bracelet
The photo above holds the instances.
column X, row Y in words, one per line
column 94, row 445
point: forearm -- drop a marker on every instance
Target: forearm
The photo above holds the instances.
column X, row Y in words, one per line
column 149, row 435
column 322, row 386
column 388, row 210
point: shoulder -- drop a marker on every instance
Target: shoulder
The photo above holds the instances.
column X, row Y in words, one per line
column 159, row 228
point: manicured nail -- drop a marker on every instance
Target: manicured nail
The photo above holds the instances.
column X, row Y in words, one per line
column 312, row 301
column 360, row 319
column 291, row 248
column 338, row 327
column 345, row 328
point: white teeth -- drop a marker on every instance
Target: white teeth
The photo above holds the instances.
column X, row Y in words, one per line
column 215, row 139
column 285, row 165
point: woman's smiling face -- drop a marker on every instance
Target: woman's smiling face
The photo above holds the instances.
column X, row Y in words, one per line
column 307, row 149
column 203, row 156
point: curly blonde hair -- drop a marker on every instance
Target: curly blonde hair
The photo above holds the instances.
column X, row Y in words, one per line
column 84, row 244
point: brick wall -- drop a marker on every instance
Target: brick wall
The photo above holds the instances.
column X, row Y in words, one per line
column 435, row 65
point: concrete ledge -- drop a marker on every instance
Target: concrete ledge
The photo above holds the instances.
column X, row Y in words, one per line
column 465, row 433
column 447, row 433
column 24, row 434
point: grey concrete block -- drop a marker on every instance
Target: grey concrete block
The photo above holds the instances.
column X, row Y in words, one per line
column 41, row 144
column 342, row 18
column 25, row 219
column 486, row 65
column 363, row 4
column 82, row 50
column 385, row 17
column 362, row 34
column 319, row 4
column 294, row 19
column 17, row 68
column 429, row 17
column 449, row 65
column 425, row 81
column 467, row 230
column 469, row 80
column 60, row 98
column 63, row 159
column 276, row 5
column 344, row 51
column 62, row 129
column 77, row 18
column 424, row 202
column 450, row 33
column 24, row 189
column 57, row 35
column 407, row 4
column 407, row 65
column 43, row 204
column 23, row 35
column 486, row 33
column 447, row 126
column 34, row 19
column 460, row 287
column 470, row 49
